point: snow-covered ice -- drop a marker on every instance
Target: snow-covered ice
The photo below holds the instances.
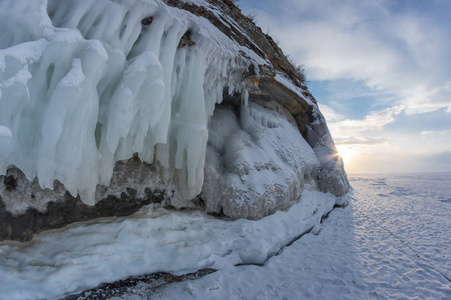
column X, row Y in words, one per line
column 5, row 132
column 391, row 242
column 413, row 211
column 256, row 162
column 84, row 255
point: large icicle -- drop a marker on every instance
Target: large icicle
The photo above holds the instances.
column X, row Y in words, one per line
column 84, row 84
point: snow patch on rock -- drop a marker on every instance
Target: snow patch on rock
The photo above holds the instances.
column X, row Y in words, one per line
column 257, row 162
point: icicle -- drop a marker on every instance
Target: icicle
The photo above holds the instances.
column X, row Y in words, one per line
column 96, row 84
column 245, row 97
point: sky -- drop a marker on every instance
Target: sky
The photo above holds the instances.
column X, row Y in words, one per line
column 380, row 71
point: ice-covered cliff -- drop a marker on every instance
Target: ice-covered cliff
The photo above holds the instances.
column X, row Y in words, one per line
column 107, row 105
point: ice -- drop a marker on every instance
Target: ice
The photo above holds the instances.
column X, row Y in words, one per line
column 86, row 84
column 384, row 247
column 408, row 206
column 5, row 132
column 396, row 247
column 257, row 162
column 84, row 255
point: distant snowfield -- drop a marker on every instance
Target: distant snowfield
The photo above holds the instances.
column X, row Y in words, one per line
column 391, row 242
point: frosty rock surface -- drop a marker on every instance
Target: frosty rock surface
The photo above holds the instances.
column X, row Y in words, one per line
column 257, row 162
column 25, row 208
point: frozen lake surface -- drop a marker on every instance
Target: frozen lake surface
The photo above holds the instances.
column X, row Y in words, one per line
column 393, row 241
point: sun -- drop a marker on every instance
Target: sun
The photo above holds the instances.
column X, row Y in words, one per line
column 346, row 152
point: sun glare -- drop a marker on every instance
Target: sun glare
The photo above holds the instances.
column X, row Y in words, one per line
column 346, row 152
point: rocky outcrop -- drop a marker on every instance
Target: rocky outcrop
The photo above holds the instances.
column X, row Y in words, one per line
column 256, row 162
column 26, row 208
column 267, row 141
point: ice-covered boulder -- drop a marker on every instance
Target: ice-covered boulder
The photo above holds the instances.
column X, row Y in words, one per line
column 87, row 85
column 257, row 162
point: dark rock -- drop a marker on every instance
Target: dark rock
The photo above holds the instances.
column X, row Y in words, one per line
column 10, row 182
column 134, row 184
column 152, row 282
column 186, row 40
column 147, row 21
column 59, row 214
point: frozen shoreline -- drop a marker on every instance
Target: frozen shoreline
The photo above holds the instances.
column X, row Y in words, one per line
column 82, row 256
column 391, row 242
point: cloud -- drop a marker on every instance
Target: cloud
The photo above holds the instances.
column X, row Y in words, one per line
column 330, row 114
column 400, row 162
column 361, row 141
column 343, row 129
column 362, row 135
column 426, row 132
column 401, row 51
column 373, row 121
column 441, row 157
column 383, row 68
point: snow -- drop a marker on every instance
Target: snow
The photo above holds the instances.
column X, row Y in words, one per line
column 331, row 173
column 84, row 255
column 257, row 162
column 198, row 2
column 74, row 77
column 228, row 21
column 391, row 242
column 85, row 84
column 6, row 137
column 289, row 85
column 413, row 207
column 5, row 132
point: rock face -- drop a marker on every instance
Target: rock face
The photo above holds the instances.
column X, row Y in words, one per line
column 267, row 140
column 26, row 208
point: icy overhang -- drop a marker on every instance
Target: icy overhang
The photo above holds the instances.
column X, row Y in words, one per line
column 87, row 83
